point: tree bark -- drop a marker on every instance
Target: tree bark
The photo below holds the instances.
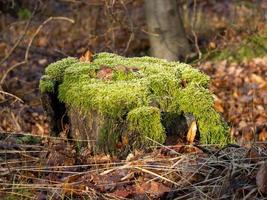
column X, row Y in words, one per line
column 166, row 32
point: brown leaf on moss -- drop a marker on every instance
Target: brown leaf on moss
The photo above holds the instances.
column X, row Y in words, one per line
column 105, row 73
column 87, row 57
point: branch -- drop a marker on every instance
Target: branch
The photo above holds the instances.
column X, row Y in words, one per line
column 12, row 95
column 10, row 69
column 39, row 29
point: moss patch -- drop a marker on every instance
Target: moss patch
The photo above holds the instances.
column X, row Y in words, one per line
column 252, row 47
column 145, row 120
column 133, row 92
column 54, row 74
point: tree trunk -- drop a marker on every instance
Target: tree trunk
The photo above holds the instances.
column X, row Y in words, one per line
column 166, row 32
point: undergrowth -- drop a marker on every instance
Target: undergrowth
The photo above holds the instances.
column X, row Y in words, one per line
column 253, row 46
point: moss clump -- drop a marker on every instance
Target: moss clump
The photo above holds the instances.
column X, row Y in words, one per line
column 145, row 120
column 252, row 47
column 211, row 126
column 46, row 84
column 130, row 94
column 54, row 74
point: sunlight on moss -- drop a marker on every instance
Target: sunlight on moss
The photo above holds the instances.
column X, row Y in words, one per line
column 135, row 91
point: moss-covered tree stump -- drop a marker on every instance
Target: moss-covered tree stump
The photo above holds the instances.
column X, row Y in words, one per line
column 116, row 103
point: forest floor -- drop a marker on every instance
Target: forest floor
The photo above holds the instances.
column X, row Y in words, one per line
column 34, row 165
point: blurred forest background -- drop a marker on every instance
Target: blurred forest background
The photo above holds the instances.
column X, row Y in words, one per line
column 225, row 39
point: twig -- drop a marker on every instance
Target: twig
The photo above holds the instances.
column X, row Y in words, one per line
column 193, row 23
column 196, row 45
column 17, row 42
column 9, row 70
column 39, row 29
column 27, row 50
column 131, row 38
column 43, row 136
column 12, row 95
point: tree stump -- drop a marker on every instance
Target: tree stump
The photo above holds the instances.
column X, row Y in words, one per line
column 115, row 104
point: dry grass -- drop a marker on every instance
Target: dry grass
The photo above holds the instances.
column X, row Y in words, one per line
column 30, row 171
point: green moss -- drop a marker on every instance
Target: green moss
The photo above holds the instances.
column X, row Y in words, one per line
column 198, row 100
column 252, row 47
column 46, row 84
column 145, row 121
column 54, row 74
column 56, row 70
column 132, row 92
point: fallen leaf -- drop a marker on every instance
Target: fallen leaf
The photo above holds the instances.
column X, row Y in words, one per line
column 68, row 188
column 263, row 136
column 122, row 193
column 258, row 79
column 218, row 104
column 261, row 178
column 105, row 73
column 42, row 61
column 3, row 48
column 40, row 128
column 153, row 188
column 42, row 42
column 192, row 132
column 263, row 86
column 130, row 157
column 87, row 57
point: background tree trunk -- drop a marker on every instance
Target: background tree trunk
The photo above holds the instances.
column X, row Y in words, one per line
column 166, row 32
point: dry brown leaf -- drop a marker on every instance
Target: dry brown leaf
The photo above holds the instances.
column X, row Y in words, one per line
column 42, row 61
column 87, row 57
column 3, row 48
column 191, row 134
column 261, row 178
column 263, row 136
column 105, row 73
column 218, row 104
column 41, row 130
column 154, row 188
column 42, row 42
column 258, row 79
column 253, row 155
column 68, row 188
column 122, row 193
column 263, row 86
